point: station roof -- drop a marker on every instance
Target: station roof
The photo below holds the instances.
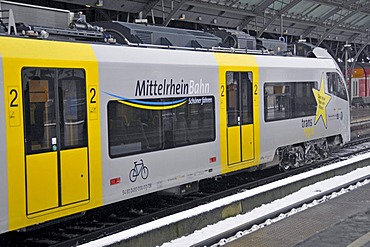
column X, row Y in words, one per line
column 341, row 20
column 340, row 26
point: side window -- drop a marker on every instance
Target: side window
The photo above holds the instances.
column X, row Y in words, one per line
column 336, row 85
column 201, row 118
column 277, row 102
column 304, row 100
column 134, row 130
column 289, row 100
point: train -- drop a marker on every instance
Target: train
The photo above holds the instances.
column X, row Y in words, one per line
column 87, row 124
column 360, row 87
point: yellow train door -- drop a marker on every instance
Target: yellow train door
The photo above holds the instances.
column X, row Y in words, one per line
column 240, row 139
column 56, row 145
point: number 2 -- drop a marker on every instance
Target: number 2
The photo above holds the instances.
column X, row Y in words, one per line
column 93, row 91
column 12, row 103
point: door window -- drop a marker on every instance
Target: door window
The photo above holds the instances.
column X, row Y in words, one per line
column 239, row 98
column 42, row 133
column 40, row 114
column 72, row 104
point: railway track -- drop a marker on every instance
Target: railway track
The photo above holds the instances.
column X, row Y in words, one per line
column 249, row 227
column 120, row 216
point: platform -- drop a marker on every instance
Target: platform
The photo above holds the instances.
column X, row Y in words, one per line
column 342, row 221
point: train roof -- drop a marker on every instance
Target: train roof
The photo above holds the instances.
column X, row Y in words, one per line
column 93, row 37
column 136, row 53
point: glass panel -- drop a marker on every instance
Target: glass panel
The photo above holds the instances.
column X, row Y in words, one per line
column 72, row 108
column 289, row 100
column 190, row 123
column 134, row 130
column 304, row 100
column 39, row 109
column 232, row 94
column 168, row 118
column 247, row 102
column 181, row 129
column 202, row 120
column 277, row 102
column 336, row 85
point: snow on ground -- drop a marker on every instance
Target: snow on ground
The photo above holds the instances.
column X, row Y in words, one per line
column 232, row 222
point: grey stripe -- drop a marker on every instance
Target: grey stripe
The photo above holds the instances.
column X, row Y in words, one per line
column 3, row 160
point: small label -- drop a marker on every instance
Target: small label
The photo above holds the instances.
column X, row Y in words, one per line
column 93, row 103
column 13, row 106
column 114, row 181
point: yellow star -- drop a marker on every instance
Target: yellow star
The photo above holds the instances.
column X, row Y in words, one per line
column 322, row 100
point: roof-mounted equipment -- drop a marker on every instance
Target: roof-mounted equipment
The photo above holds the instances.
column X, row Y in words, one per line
column 161, row 36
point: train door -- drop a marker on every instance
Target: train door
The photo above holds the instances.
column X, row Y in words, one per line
column 56, row 157
column 240, row 144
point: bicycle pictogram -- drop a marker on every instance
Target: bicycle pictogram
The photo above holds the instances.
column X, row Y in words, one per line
column 139, row 169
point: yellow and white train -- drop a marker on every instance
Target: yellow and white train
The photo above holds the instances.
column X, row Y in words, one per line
column 85, row 125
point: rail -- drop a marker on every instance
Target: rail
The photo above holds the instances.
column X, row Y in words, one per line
column 212, row 241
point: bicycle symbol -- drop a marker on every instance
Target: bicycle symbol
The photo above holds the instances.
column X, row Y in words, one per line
column 139, row 168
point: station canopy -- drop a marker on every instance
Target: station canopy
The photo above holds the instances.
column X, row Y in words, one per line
column 319, row 20
column 340, row 26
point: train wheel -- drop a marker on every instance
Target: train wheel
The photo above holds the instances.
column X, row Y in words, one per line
column 285, row 166
column 285, row 163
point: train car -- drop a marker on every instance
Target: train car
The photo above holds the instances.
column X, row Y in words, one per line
column 360, row 82
column 85, row 125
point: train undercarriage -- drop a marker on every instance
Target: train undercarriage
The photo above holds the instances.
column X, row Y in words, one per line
column 293, row 156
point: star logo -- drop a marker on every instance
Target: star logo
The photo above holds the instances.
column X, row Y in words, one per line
column 322, row 100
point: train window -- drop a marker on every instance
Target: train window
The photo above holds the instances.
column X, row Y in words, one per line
column 201, row 120
column 336, row 85
column 246, row 98
column 277, row 102
column 289, row 100
column 239, row 98
column 72, row 107
column 355, row 90
column 134, row 130
column 233, row 99
column 54, row 108
column 39, row 108
column 304, row 102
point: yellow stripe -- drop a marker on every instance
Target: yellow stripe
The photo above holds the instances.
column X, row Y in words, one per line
column 237, row 63
column 156, row 108
column 18, row 53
